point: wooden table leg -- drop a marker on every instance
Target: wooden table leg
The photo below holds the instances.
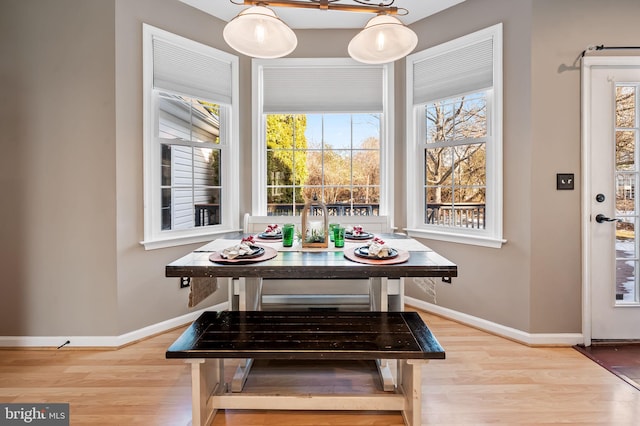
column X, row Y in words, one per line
column 379, row 301
column 250, row 294
column 250, row 299
column 379, row 294
column 396, row 303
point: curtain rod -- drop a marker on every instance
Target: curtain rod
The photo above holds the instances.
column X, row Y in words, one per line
column 603, row 47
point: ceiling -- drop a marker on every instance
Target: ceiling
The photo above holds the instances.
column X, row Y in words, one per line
column 315, row 18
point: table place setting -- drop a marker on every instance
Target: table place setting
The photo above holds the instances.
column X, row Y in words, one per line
column 357, row 233
column 247, row 251
column 376, row 252
column 271, row 233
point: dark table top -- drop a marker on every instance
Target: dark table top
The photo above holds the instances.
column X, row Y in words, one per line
column 307, row 335
column 313, row 264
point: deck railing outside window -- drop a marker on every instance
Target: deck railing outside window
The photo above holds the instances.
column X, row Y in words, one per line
column 460, row 215
column 338, row 209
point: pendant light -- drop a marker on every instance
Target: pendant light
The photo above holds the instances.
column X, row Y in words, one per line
column 259, row 33
column 383, row 39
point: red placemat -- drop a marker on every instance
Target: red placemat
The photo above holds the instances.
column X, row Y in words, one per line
column 402, row 257
column 269, row 253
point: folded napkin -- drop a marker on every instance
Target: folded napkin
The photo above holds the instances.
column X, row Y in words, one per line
column 357, row 230
column 273, row 229
column 378, row 248
column 246, row 246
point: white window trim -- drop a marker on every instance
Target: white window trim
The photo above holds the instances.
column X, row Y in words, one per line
column 154, row 237
column 259, row 164
column 491, row 236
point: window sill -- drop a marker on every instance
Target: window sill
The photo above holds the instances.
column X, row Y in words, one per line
column 451, row 237
column 181, row 240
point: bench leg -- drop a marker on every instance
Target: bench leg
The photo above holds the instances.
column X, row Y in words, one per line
column 411, row 388
column 207, row 379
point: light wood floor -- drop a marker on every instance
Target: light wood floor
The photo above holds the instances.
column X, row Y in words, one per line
column 484, row 380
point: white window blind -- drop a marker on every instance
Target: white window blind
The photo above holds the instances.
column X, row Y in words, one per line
column 453, row 72
column 308, row 89
column 190, row 72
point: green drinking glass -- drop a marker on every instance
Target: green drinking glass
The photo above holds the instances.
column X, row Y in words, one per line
column 288, row 230
column 338, row 236
column 331, row 228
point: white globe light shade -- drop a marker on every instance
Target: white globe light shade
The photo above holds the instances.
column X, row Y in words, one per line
column 384, row 39
column 259, row 33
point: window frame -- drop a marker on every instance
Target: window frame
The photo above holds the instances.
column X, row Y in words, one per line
column 154, row 236
column 259, row 147
column 491, row 235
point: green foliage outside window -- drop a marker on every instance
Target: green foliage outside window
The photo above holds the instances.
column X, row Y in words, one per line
column 286, row 144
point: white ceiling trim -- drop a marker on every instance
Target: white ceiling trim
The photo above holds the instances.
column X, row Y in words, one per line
column 324, row 19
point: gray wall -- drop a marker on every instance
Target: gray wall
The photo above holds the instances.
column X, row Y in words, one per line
column 145, row 296
column 562, row 30
column 71, row 170
column 57, row 168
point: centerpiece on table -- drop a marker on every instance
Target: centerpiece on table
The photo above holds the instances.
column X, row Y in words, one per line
column 315, row 224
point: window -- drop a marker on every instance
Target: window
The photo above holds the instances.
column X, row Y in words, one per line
column 627, row 174
column 190, row 142
column 454, row 161
column 323, row 132
column 335, row 157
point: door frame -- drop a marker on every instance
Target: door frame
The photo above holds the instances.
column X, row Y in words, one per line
column 587, row 63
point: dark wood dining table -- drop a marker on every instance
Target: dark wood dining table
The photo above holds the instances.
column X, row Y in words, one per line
column 308, row 264
column 313, row 263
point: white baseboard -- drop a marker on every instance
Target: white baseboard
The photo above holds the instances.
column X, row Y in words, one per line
column 105, row 341
column 532, row 339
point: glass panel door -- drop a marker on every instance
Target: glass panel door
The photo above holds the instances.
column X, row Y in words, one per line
column 626, row 181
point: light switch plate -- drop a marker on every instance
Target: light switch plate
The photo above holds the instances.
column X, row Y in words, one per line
column 564, row 181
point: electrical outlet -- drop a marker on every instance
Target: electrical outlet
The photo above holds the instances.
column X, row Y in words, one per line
column 185, row 282
column 564, row 181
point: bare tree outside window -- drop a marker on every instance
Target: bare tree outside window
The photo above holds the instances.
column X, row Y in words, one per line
column 627, row 175
column 455, row 161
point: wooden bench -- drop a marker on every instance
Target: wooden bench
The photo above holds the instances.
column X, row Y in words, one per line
column 308, row 335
